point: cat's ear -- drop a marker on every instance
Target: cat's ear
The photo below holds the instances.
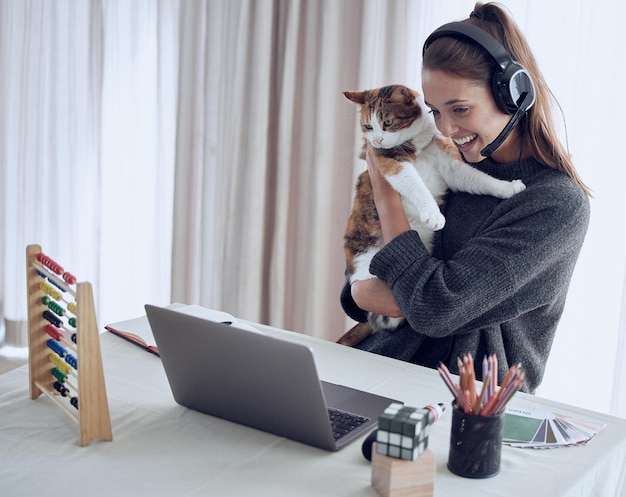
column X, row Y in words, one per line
column 358, row 97
column 407, row 94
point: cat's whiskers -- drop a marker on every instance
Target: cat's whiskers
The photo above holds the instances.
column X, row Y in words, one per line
column 402, row 147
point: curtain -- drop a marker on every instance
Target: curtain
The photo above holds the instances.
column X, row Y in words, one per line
column 271, row 178
column 261, row 220
column 88, row 93
column 202, row 152
column 49, row 96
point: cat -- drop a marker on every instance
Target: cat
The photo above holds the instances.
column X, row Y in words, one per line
column 420, row 164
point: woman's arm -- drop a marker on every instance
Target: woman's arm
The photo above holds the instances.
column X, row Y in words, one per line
column 374, row 295
column 504, row 258
column 393, row 220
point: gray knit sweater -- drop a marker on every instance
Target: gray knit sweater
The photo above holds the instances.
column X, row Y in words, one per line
column 497, row 279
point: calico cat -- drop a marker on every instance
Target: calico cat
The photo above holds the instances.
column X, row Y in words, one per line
column 420, row 164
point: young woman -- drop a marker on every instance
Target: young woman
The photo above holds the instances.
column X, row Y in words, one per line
column 497, row 280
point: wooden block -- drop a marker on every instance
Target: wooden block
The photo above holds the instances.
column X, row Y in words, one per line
column 392, row 477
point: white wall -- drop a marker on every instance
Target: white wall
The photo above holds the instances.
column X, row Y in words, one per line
column 584, row 356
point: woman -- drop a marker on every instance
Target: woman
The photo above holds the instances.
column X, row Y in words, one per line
column 499, row 273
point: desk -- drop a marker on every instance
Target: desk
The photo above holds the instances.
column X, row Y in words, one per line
column 162, row 449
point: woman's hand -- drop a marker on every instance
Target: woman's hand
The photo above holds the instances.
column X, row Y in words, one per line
column 393, row 220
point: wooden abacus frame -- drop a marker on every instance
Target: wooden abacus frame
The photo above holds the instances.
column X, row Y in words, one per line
column 93, row 413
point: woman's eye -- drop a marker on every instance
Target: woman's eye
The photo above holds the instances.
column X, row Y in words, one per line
column 434, row 112
column 388, row 122
column 461, row 110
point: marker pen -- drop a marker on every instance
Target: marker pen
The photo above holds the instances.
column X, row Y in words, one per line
column 436, row 411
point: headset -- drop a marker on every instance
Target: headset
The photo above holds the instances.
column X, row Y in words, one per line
column 512, row 86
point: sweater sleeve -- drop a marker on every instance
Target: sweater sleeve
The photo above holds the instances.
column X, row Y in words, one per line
column 520, row 258
column 349, row 305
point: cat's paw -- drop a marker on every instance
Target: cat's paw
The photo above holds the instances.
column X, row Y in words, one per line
column 378, row 323
column 433, row 219
column 511, row 188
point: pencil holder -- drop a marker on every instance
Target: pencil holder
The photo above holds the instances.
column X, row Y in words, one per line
column 475, row 444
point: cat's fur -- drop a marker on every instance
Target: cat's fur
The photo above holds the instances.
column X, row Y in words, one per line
column 419, row 163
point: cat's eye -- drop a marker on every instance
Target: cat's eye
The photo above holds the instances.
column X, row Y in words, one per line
column 388, row 122
column 368, row 127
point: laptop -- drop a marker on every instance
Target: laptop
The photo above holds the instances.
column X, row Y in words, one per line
column 256, row 380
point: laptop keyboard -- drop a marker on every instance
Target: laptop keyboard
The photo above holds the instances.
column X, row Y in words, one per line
column 344, row 422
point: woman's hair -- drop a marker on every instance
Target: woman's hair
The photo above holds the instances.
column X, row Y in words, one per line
column 469, row 60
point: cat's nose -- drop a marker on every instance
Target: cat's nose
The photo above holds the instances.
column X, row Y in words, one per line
column 378, row 141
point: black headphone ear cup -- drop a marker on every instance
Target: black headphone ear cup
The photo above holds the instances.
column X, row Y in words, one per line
column 500, row 92
column 509, row 86
column 522, row 89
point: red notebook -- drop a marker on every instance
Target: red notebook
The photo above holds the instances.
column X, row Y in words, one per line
column 138, row 330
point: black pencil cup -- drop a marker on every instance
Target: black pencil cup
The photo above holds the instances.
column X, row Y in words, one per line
column 475, row 444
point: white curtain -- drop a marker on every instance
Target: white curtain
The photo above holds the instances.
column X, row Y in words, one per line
column 88, row 93
column 202, row 151
column 49, row 96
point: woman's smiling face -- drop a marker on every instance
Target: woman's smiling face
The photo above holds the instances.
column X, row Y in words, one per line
column 467, row 112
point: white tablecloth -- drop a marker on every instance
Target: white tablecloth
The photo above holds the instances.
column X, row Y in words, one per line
column 162, row 449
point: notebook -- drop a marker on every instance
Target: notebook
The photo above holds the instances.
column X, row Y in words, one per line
column 256, row 380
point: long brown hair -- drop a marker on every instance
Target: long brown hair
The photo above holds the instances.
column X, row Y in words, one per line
column 470, row 61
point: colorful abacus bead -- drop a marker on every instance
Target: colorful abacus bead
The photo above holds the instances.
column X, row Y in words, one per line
column 49, row 290
column 55, row 284
column 49, row 316
column 53, row 332
column 49, row 263
column 59, row 375
column 53, row 306
column 58, row 362
column 61, row 388
column 56, row 346
column 71, row 360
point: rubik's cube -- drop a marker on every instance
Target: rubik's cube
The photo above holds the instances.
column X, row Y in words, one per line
column 402, row 432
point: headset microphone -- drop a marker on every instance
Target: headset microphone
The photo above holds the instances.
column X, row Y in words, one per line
column 506, row 131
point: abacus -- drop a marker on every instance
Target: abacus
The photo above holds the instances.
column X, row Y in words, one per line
column 64, row 358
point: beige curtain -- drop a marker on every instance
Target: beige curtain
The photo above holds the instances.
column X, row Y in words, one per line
column 266, row 150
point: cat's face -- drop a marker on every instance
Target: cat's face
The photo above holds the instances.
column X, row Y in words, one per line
column 390, row 115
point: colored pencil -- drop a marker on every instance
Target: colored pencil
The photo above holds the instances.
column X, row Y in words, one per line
column 491, row 400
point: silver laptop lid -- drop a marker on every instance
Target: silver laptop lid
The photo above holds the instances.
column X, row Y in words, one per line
column 245, row 377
